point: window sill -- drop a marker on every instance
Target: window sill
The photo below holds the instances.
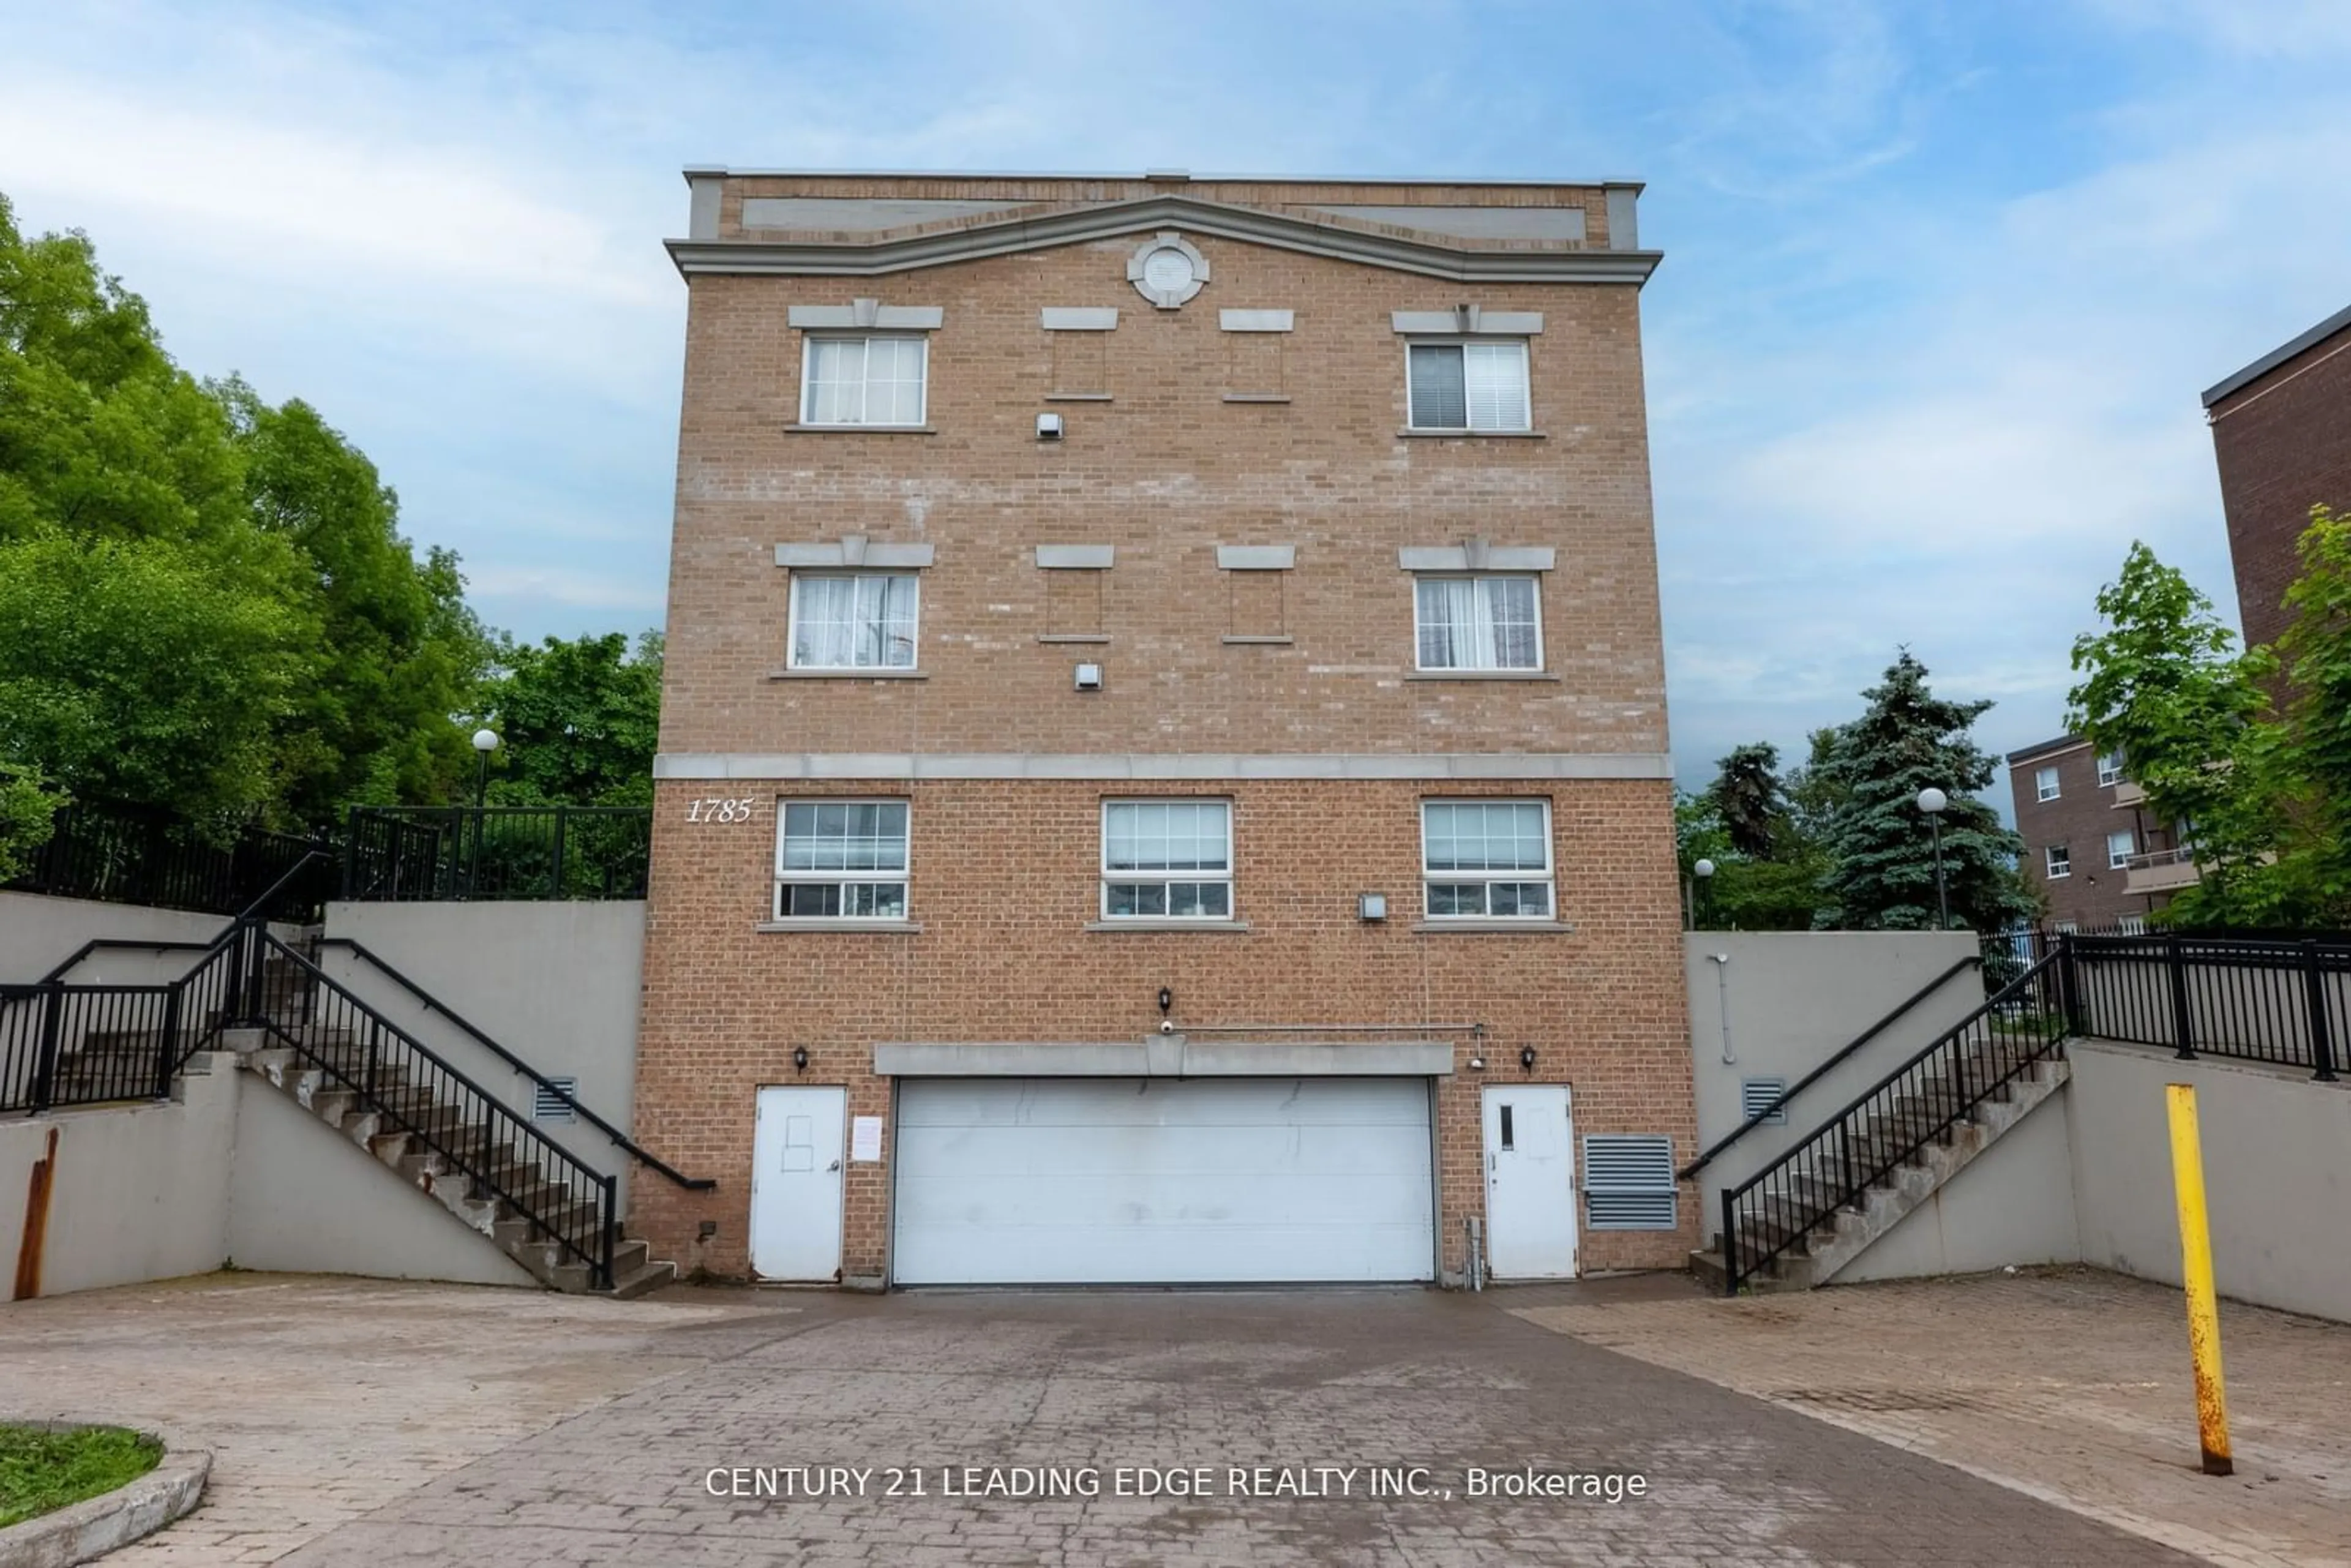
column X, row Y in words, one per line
column 1256, row 397
column 1481, row 675
column 1473, row 434
column 849, row 674
column 1077, row 397
column 812, row 923
column 1468, row 926
column 861, row 430
column 1274, row 641
column 1073, row 637
column 1148, row 924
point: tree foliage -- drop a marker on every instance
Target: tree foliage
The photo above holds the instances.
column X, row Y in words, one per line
column 1747, row 800
column 577, row 720
column 1767, row 870
column 1880, row 847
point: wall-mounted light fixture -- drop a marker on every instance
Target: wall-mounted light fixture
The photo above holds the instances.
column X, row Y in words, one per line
column 1527, row 1058
column 799, row 1058
column 1371, row 906
column 1166, row 1000
column 1477, row 1064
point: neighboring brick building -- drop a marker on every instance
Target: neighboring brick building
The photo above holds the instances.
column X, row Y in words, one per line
column 2090, row 848
column 2281, row 433
column 1088, row 594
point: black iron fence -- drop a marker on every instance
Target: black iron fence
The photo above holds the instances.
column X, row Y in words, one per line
column 2283, row 1000
column 66, row 1043
column 403, row 854
column 134, row 854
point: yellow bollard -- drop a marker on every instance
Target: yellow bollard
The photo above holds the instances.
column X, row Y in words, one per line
column 2196, row 1273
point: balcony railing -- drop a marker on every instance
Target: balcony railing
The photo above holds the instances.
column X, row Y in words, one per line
column 2162, row 870
column 409, row 853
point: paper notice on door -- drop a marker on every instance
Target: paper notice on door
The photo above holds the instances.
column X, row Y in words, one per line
column 865, row 1139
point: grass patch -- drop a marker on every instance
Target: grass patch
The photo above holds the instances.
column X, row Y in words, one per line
column 41, row 1470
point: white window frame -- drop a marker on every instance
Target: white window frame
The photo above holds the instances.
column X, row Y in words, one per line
column 2130, row 847
column 1534, row 581
column 865, row 381
column 844, row 878
column 2131, row 926
column 1526, row 382
column 1548, row 878
column 2110, row 769
column 2045, row 784
column 792, row 660
column 1130, row 876
column 2057, row 863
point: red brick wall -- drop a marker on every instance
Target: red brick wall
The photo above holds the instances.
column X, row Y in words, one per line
column 1004, row 880
column 2283, row 443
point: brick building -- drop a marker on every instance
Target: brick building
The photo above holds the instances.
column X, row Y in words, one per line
column 2091, row 849
column 2281, row 435
column 1163, row 769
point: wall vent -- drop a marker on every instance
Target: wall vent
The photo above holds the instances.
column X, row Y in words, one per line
column 547, row 1107
column 1628, row 1182
column 1754, row 1093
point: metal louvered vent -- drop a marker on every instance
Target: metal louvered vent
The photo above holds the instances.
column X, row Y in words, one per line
column 1754, row 1093
column 547, row 1107
column 1628, row 1182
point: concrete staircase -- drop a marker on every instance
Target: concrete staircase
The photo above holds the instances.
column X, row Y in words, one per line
column 1815, row 1256
column 395, row 1132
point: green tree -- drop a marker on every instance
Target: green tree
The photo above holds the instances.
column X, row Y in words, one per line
column 1881, row 874
column 25, row 812
column 2164, row 686
column 577, row 720
column 2308, row 761
column 1767, row 872
column 1748, row 799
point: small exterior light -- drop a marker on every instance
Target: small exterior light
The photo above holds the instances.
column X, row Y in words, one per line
column 1932, row 801
column 1371, row 906
column 1166, row 1000
column 799, row 1058
column 1527, row 1058
column 1704, row 869
column 1477, row 1064
column 485, row 741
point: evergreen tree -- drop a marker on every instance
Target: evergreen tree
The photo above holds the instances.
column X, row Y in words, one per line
column 1880, row 846
column 1748, row 800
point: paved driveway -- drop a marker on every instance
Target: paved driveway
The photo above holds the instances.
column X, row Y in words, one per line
column 370, row 1424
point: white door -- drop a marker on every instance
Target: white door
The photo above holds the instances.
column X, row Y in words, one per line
column 1163, row 1181
column 796, row 1184
column 1530, row 1182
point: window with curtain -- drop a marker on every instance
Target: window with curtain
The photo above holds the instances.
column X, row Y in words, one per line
column 841, row 860
column 863, row 381
column 1167, row 860
column 2121, row 845
column 1487, row 859
column 853, row 621
column 1467, row 386
column 1478, row 624
column 2110, row 768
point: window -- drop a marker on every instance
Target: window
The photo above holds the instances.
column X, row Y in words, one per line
column 2110, row 768
column 853, row 621
column 2060, row 862
column 1467, row 386
column 1628, row 1182
column 1755, row 1093
column 1477, row 624
column 841, row 860
column 1487, row 859
column 1167, row 860
column 2045, row 783
column 2120, row 849
column 2132, row 925
column 863, row 381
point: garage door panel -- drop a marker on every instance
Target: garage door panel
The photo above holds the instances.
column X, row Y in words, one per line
column 1105, row 1181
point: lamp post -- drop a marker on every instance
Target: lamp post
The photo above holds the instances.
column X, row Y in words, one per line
column 1703, row 873
column 1932, row 801
column 485, row 741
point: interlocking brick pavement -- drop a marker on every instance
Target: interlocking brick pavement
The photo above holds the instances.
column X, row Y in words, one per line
column 2064, row 1384
column 374, row 1423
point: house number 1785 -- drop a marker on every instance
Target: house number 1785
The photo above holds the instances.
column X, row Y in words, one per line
column 718, row 811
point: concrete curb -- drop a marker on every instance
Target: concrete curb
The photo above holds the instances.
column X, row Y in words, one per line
column 97, row 1526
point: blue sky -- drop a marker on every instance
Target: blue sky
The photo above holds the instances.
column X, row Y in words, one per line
column 1942, row 281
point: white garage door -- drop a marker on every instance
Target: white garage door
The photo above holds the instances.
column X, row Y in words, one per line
column 1161, row 1181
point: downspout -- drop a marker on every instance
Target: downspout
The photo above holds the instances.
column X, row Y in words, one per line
column 1721, row 962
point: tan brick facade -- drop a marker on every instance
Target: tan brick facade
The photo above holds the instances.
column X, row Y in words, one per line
column 1004, row 876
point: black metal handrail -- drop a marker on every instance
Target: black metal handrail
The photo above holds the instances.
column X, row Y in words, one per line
column 1787, row 1095
column 383, row 1066
column 1885, row 1127
column 138, row 854
column 253, row 911
column 2286, row 1001
column 399, row 853
column 545, row 1084
column 65, row 1044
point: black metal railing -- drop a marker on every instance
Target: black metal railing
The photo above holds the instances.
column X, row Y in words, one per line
column 1779, row 1106
column 547, row 1087
column 134, row 854
column 411, row 1090
column 1776, row 1210
column 2285, row 1000
column 418, row 853
column 63, row 1044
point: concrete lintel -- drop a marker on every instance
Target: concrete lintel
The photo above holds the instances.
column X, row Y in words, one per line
column 1477, row 556
column 867, row 314
column 718, row 766
column 1467, row 322
column 1076, row 558
column 1077, row 319
column 1256, row 321
column 1257, row 557
column 854, row 551
column 1164, row 1056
